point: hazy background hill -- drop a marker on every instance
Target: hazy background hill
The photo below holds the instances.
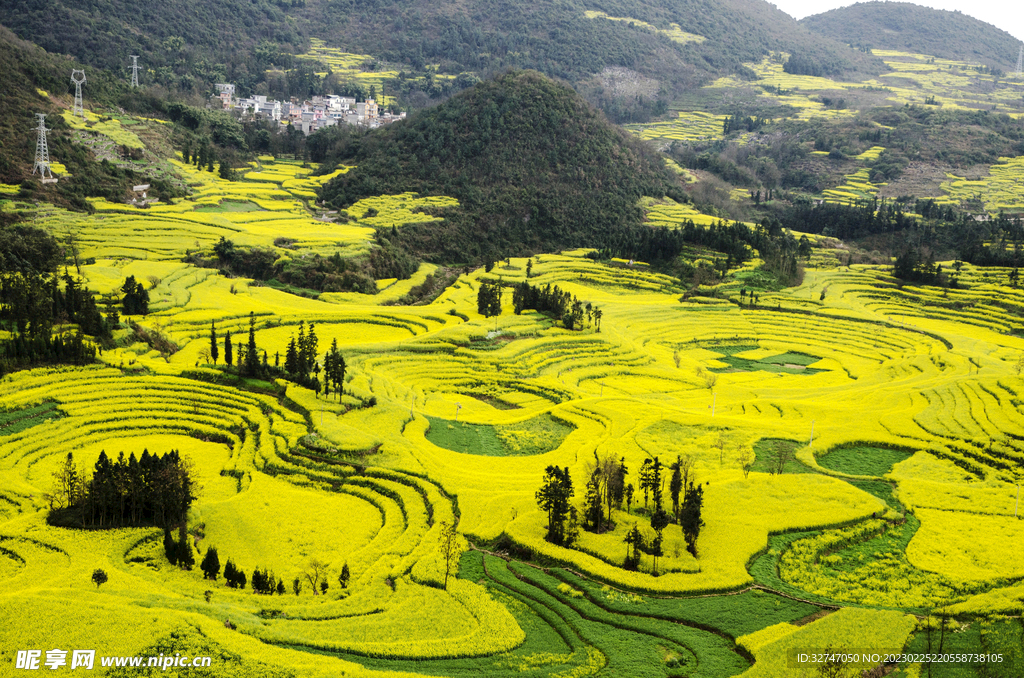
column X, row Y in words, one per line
column 189, row 44
column 912, row 28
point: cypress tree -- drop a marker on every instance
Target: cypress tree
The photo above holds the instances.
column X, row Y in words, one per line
column 170, row 548
column 251, row 357
column 211, row 564
column 227, row 349
column 214, row 351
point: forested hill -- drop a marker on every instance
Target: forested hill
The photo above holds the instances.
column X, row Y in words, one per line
column 30, row 81
column 533, row 165
column 668, row 45
column 908, row 27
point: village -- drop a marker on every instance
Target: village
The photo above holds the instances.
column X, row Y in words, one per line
column 310, row 115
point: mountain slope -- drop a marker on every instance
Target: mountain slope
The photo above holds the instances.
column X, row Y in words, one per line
column 908, row 27
column 670, row 45
column 534, row 167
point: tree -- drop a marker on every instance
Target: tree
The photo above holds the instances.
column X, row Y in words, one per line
column 629, row 497
column 634, row 545
column 280, row 588
column 291, row 358
column 214, row 352
column 690, row 516
column 224, row 249
column 99, row 577
column 252, row 364
column 67, row 483
column 675, row 486
column 450, row 550
column 314, row 571
column 344, row 577
column 228, row 358
column 136, row 299
column 211, row 564
column 171, row 549
column 593, row 509
column 746, row 460
column 553, row 498
column 323, row 587
column 297, row 586
column 646, row 479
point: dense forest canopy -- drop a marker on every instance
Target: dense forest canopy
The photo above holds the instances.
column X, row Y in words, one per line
column 187, row 45
column 534, row 167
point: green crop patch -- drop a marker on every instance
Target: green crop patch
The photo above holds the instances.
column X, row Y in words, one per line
column 533, row 436
column 229, row 206
column 16, row 421
column 784, row 363
column 863, row 460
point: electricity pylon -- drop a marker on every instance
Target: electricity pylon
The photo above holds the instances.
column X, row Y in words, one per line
column 43, row 153
column 78, row 110
column 135, row 70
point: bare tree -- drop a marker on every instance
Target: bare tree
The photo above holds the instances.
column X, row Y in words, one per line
column 314, row 571
column 450, row 550
column 746, row 460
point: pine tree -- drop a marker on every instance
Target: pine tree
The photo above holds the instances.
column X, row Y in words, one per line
column 228, row 358
column 291, row 358
column 211, row 564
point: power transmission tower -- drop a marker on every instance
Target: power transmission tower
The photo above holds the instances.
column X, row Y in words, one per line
column 135, row 70
column 1020, row 61
column 43, row 153
column 78, row 109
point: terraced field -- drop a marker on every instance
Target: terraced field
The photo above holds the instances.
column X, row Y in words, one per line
column 900, row 404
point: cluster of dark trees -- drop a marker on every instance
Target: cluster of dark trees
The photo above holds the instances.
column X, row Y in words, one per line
column 846, row 222
column 805, row 64
column 32, row 302
column 315, row 274
column 488, row 299
column 204, row 157
column 69, row 348
column 606, row 489
column 136, row 297
column 552, row 301
column 151, row 490
column 914, row 267
column 179, row 552
column 737, row 122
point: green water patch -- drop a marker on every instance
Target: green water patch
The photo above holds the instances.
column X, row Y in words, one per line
column 230, row 206
column 534, row 436
column 770, row 452
column 863, row 460
column 16, row 421
column 789, row 362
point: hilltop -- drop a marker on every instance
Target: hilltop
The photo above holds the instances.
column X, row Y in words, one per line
column 534, row 166
column 906, row 27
